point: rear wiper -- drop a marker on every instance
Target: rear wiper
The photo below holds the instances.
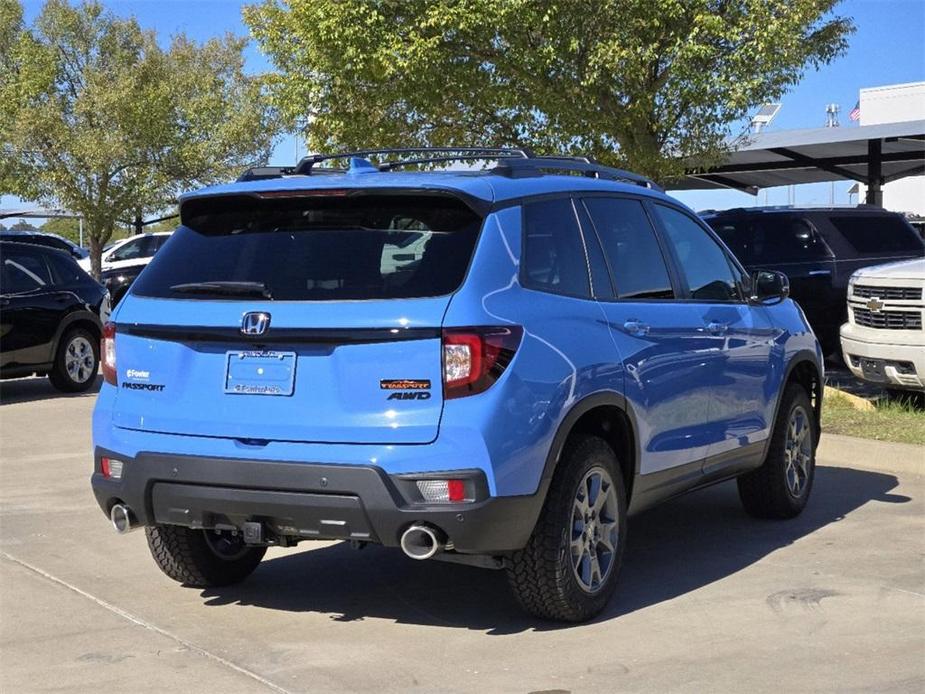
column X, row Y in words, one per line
column 219, row 288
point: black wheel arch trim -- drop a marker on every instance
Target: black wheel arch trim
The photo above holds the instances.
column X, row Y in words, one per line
column 567, row 425
column 804, row 356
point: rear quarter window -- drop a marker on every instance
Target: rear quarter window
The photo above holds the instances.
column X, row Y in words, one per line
column 554, row 254
column 324, row 248
column 876, row 235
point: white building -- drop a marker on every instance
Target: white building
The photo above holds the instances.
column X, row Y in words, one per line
column 896, row 103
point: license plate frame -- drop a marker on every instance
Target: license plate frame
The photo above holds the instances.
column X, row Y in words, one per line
column 872, row 369
column 260, row 372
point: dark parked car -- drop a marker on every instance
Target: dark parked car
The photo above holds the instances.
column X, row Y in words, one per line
column 51, row 315
column 41, row 238
column 118, row 280
column 818, row 249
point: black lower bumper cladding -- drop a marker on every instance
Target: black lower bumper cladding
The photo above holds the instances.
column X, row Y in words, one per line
column 308, row 501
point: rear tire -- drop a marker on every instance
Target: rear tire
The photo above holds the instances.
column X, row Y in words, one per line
column 77, row 361
column 780, row 488
column 202, row 558
column 568, row 570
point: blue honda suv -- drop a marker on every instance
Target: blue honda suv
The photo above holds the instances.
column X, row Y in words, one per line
column 491, row 366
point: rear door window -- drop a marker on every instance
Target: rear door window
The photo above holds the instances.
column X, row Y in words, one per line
column 873, row 235
column 345, row 247
column 771, row 239
column 702, row 260
column 786, row 239
column 632, row 249
column 130, row 250
column 554, row 255
column 23, row 271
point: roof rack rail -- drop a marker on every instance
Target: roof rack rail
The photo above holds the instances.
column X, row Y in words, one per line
column 514, row 162
column 535, row 166
column 305, row 166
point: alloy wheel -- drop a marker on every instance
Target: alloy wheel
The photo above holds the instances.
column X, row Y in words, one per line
column 79, row 360
column 798, row 451
column 594, row 536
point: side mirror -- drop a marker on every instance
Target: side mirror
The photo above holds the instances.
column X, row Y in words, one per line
column 769, row 287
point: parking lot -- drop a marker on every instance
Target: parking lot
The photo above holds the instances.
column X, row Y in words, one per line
column 709, row 600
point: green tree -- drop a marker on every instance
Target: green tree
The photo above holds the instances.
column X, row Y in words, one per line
column 98, row 118
column 636, row 83
column 68, row 228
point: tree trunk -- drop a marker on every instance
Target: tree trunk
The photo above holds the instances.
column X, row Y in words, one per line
column 96, row 250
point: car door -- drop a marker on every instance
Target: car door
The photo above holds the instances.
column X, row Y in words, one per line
column 673, row 366
column 740, row 339
column 30, row 307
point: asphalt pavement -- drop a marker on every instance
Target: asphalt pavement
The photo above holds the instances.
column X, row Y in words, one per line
column 709, row 600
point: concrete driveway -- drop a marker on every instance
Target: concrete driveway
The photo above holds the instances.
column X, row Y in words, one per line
column 710, row 600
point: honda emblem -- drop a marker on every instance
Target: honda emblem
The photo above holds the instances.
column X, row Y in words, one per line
column 255, row 323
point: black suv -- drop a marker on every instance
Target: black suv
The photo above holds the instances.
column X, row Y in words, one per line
column 41, row 238
column 818, row 249
column 51, row 315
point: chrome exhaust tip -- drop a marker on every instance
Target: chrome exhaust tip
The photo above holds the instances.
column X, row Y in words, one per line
column 422, row 541
column 123, row 520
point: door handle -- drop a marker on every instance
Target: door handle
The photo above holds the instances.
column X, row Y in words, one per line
column 636, row 328
column 717, row 328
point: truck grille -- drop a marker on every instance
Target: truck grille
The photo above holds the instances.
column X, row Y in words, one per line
column 890, row 320
column 865, row 291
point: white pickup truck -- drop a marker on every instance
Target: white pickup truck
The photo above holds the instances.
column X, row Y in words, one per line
column 884, row 340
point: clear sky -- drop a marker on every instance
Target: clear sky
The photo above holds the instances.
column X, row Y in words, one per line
column 887, row 48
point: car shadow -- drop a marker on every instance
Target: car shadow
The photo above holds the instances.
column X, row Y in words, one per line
column 21, row 390
column 672, row 550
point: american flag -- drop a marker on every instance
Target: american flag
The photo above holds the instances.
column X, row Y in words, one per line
column 855, row 113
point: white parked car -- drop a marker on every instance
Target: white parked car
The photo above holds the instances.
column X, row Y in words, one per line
column 135, row 250
column 884, row 340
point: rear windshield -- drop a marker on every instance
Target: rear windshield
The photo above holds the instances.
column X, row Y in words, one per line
column 876, row 235
column 315, row 248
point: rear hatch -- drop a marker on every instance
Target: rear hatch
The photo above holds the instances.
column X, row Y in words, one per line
column 313, row 318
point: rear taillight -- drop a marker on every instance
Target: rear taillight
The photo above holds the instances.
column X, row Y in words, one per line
column 111, row 468
column 474, row 358
column 446, row 491
column 108, row 353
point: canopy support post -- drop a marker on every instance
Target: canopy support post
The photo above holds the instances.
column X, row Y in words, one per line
column 875, row 173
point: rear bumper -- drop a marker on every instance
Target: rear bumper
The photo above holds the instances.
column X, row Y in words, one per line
column 308, row 501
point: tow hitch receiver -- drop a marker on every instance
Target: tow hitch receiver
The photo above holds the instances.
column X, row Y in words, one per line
column 253, row 533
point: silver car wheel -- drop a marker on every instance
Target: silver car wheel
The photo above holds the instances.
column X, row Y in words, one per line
column 594, row 535
column 798, row 451
column 79, row 359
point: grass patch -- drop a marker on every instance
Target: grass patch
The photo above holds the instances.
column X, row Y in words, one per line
column 903, row 422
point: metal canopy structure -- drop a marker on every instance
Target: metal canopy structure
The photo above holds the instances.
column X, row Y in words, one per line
column 37, row 213
column 869, row 154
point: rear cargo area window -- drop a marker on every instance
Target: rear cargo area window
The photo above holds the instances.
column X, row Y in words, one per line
column 873, row 234
column 315, row 248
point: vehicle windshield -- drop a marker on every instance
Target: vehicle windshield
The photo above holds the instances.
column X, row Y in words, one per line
column 315, row 248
